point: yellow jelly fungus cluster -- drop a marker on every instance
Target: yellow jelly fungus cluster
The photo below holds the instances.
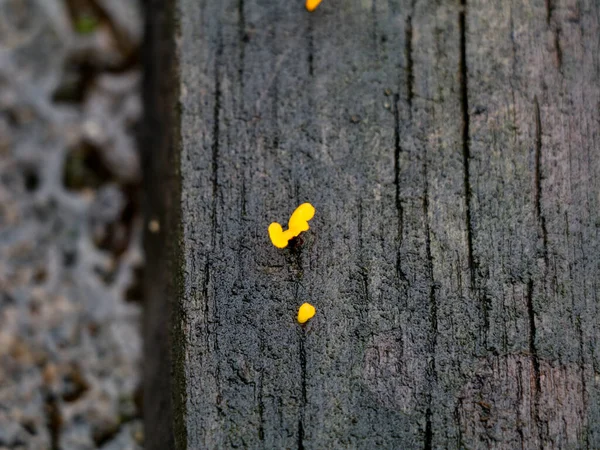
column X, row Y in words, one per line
column 311, row 5
column 297, row 224
column 306, row 312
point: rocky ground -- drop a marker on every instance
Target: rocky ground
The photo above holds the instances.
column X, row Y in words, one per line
column 70, row 224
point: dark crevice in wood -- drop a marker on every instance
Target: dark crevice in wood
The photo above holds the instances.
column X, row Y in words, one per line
column 428, row 430
column 457, row 410
column 519, row 402
column 399, row 206
column 538, row 179
column 558, row 48
column 261, row 402
column 535, row 362
column 408, row 52
column 301, row 415
column 243, row 37
column 205, row 298
column 215, row 188
column 464, row 100
column 431, row 373
column 275, row 114
column 311, row 48
column 584, row 399
column 556, row 30
column 216, row 137
column 244, row 201
column 466, row 153
column 577, row 323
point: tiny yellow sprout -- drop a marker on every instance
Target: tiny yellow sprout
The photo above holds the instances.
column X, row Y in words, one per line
column 311, row 5
column 306, row 312
column 297, row 224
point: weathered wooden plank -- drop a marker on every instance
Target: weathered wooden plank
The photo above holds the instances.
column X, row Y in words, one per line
column 450, row 149
column 534, row 160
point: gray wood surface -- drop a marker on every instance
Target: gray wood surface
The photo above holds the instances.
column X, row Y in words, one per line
column 451, row 152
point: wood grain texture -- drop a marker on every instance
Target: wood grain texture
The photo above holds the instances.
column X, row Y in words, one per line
column 451, row 151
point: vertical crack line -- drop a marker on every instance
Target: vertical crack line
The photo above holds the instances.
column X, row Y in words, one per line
column 206, row 308
column 399, row 205
column 431, row 373
column 243, row 37
column 303, row 401
column 275, row 117
column 584, row 399
column 556, row 30
column 360, row 230
column 457, row 409
column 538, row 180
column 311, row 47
column 519, row 402
column 535, row 362
column 215, row 186
column 261, row 403
column 408, row 53
column 466, row 151
column 428, row 430
column 559, row 54
column 216, row 143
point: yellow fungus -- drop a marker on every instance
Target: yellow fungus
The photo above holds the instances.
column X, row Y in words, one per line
column 299, row 219
column 297, row 224
column 306, row 312
column 311, row 5
column 279, row 238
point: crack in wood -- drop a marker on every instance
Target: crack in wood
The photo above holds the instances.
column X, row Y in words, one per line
column 215, row 189
column 428, row 445
column 303, row 402
column 538, row 179
column 398, row 199
column 535, row 362
column 466, row 152
column 243, row 37
column 550, row 7
column 431, row 373
column 408, row 53
column 311, row 47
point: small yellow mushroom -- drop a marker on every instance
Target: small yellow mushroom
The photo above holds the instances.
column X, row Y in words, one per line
column 299, row 219
column 311, row 5
column 297, row 224
column 279, row 238
column 306, row 312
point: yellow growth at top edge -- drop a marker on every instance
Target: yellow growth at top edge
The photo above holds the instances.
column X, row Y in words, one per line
column 297, row 224
column 311, row 5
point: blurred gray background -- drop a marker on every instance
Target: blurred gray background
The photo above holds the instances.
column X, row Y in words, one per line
column 70, row 224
